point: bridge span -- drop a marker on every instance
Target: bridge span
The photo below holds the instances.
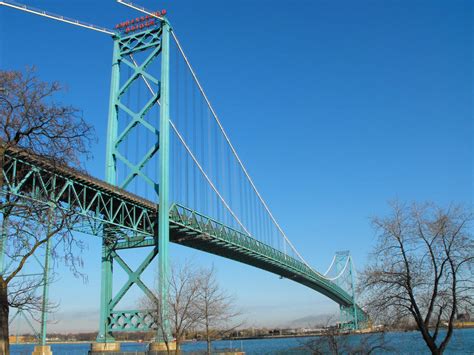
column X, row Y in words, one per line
column 133, row 220
column 164, row 136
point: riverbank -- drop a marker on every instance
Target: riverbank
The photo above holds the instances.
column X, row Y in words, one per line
column 409, row 342
column 463, row 325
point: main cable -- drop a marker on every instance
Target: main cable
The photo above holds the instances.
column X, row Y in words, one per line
column 235, row 153
column 194, row 158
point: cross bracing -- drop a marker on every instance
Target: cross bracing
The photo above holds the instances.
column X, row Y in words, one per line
column 28, row 176
column 170, row 140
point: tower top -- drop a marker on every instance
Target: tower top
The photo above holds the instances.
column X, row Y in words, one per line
column 139, row 23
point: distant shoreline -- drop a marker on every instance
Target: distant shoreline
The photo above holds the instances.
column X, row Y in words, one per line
column 470, row 325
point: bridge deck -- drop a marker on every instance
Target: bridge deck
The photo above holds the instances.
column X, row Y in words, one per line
column 110, row 205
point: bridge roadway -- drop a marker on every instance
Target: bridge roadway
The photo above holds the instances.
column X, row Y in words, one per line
column 134, row 219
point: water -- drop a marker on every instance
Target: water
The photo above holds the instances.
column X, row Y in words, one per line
column 401, row 343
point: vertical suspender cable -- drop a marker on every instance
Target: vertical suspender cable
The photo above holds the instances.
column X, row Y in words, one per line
column 190, row 153
column 235, row 152
column 203, row 155
column 176, row 115
column 194, row 124
column 136, row 139
column 207, row 178
column 185, row 129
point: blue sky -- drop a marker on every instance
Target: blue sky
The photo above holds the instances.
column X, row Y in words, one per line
column 336, row 107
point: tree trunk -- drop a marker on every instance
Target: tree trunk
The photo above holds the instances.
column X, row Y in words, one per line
column 208, row 338
column 429, row 340
column 208, row 345
column 4, row 342
column 433, row 348
column 178, row 345
column 2, row 162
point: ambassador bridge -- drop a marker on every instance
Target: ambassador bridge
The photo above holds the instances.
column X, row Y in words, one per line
column 171, row 175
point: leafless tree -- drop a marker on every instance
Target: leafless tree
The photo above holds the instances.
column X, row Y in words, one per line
column 183, row 292
column 32, row 121
column 195, row 300
column 422, row 268
column 333, row 341
column 184, row 314
column 216, row 307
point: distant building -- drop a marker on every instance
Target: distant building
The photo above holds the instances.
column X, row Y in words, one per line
column 14, row 339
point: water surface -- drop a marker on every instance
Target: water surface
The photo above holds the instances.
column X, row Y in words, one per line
column 400, row 343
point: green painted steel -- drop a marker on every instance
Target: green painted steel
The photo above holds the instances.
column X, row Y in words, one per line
column 124, row 48
column 112, row 127
column 3, row 241
column 44, row 301
column 110, row 177
column 131, row 217
column 354, row 301
column 351, row 316
column 149, row 41
column 164, row 332
column 133, row 320
column 105, row 290
column 133, row 277
column 201, row 232
column 23, row 174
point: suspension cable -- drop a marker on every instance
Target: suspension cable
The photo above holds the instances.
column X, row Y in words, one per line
column 235, row 152
column 340, row 274
column 207, row 177
column 32, row 10
column 141, row 9
column 194, row 157
column 330, row 266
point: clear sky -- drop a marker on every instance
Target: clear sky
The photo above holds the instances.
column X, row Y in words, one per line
column 335, row 107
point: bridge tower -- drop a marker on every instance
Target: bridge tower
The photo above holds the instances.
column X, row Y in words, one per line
column 349, row 317
column 148, row 37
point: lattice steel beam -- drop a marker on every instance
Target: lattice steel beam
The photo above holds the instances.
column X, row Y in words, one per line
column 187, row 227
column 99, row 203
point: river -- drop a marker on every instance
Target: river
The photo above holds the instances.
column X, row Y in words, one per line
column 399, row 343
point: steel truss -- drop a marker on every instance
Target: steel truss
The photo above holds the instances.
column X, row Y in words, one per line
column 154, row 43
column 133, row 219
column 102, row 204
column 124, row 220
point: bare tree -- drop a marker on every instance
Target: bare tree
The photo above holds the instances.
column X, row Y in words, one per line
column 184, row 314
column 216, row 307
column 333, row 341
column 183, row 292
column 328, row 341
column 32, row 121
column 422, row 268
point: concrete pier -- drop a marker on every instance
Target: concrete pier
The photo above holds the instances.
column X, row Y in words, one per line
column 161, row 348
column 104, row 348
column 42, row 350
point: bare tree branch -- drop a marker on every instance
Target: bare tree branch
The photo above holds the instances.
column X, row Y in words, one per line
column 422, row 268
column 32, row 121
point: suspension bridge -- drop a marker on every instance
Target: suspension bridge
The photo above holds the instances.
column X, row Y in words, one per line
column 172, row 175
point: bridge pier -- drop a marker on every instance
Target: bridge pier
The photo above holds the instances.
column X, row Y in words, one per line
column 101, row 348
column 158, row 348
column 42, row 350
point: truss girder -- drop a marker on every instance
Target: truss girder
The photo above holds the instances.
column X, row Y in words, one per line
column 131, row 213
column 132, row 321
column 98, row 202
column 222, row 240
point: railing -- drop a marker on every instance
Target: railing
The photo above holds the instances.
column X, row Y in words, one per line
column 104, row 204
